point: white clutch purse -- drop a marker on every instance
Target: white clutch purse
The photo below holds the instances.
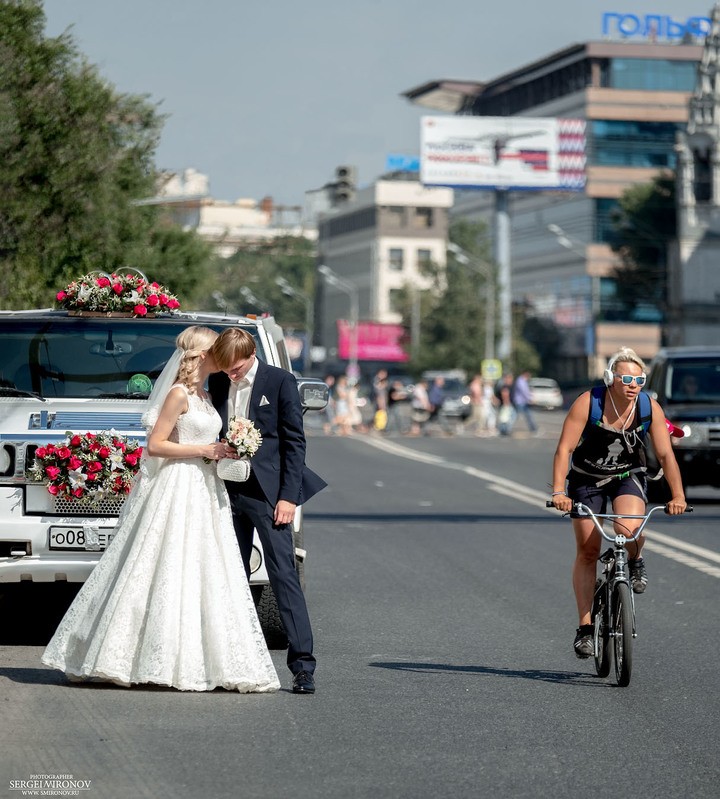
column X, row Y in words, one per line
column 235, row 469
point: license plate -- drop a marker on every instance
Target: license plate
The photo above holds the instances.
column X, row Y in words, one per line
column 81, row 537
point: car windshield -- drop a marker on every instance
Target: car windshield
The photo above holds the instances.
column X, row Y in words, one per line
column 74, row 357
column 696, row 380
column 454, row 386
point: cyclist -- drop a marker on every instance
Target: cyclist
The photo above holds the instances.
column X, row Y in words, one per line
column 601, row 456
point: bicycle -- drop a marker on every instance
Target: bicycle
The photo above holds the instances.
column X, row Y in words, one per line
column 613, row 610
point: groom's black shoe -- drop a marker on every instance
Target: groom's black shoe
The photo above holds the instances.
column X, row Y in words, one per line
column 304, row 683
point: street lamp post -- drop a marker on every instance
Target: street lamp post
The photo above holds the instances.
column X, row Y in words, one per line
column 332, row 279
column 579, row 248
column 290, row 291
column 486, row 270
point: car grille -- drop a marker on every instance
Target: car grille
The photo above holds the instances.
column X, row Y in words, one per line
column 104, row 507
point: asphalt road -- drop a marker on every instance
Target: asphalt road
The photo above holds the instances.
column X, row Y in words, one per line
column 439, row 587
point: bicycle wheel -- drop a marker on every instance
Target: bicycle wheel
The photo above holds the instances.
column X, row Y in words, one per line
column 623, row 635
column 601, row 619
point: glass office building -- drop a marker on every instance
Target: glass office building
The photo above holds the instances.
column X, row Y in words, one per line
column 634, row 96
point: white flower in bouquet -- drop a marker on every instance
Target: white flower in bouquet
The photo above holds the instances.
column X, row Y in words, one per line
column 243, row 436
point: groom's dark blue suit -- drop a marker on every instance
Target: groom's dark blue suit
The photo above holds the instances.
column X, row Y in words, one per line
column 278, row 473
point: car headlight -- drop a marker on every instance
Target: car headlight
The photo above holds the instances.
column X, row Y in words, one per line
column 7, row 459
column 695, row 435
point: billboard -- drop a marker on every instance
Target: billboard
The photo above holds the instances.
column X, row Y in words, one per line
column 376, row 341
column 519, row 153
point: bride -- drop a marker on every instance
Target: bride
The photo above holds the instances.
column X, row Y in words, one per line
column 169, row 602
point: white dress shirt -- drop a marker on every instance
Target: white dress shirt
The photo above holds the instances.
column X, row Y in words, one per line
column 240, row 391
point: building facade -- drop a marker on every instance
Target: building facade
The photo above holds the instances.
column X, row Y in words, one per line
column 228, row 226
column 694, row 266
column 634, row 96
column 376, row 242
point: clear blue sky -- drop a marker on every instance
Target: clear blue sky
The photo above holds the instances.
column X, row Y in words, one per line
column 266, row 98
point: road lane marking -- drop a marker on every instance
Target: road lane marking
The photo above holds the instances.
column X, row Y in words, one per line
column 655, row 541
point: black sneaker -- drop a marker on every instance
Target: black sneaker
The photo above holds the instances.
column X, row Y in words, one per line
column 584, row 645
column 638, row 575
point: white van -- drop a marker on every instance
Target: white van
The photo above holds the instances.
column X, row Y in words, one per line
column 62, row 373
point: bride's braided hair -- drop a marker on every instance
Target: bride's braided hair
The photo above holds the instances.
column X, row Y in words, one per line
column 194, row 341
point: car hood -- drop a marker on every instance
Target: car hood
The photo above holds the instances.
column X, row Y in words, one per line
column 695, row 412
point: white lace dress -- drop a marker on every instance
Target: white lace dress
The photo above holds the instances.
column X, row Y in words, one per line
column 169, row 602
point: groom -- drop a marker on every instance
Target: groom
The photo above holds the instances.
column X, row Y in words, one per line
column 279, row 481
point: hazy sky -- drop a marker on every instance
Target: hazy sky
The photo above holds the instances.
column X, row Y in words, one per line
column 266, row 98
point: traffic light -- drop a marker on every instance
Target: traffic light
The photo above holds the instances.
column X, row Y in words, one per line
column 344, row 186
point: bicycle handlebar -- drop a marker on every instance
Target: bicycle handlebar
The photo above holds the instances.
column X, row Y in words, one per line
column 585, row 512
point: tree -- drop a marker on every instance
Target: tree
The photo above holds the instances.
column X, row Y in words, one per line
column 644, row 223
column 452, row 332
column 257, row 268
column 74, row 156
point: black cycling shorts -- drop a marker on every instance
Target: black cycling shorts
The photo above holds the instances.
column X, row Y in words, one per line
column 583, row 488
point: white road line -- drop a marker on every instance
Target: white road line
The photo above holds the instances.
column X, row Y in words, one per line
column 655, row 541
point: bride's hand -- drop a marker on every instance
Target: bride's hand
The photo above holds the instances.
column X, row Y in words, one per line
column 216, row 451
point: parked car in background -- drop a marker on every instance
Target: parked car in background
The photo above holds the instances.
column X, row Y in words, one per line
column 545, row 393
column 456, row 405
column 686, row 383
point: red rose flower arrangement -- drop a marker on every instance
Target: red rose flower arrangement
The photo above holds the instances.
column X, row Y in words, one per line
column 107, row 293
column 88, row 467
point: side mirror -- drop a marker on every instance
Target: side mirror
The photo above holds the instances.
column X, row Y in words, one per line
column 314, row 393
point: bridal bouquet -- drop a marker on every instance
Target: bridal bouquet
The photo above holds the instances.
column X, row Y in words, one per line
column 245, row 439
column 88, row 467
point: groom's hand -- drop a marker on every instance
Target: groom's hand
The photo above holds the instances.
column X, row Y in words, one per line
column 284, row 512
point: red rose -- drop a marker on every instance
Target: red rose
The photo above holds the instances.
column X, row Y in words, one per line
column 94, row 446
column 50, row 449
column 103, row 282
column 60, row 296
column 74, row 462
column 94, row 466
column 132, row 459
column 173, row 303
column 40, row 452
column 53, row 490
column 90, row 435
column 52, row 471
column 75, row 441
column 117, row 288
column 153, row 300
column 103, row 452
column 139, row 310
column 163, row 299
column 63, row 453
column 78, row 492
column 155, row 285
column 91, row 476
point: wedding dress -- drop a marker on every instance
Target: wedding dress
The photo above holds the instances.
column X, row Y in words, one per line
column 169, row 602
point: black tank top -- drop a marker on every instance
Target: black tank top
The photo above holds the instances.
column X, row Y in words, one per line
column 606, row 452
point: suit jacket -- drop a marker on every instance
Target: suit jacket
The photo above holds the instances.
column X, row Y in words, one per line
column 275, row 408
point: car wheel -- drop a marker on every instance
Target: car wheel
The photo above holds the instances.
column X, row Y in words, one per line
column 269, row 615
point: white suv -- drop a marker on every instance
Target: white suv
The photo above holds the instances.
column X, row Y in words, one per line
column 63, row 373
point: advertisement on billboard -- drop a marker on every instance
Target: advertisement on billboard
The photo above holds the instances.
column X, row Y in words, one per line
column 375, row 341
column 518, row 153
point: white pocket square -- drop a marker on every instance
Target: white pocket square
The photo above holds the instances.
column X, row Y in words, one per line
column 264, row 401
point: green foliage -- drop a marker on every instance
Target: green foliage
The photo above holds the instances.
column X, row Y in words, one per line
column 257, row 268
column 452, row 312
column 645, row 223
column 74, row 156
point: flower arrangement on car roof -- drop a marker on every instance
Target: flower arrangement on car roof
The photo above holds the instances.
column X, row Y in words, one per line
column 88, row 467
column 125, row 292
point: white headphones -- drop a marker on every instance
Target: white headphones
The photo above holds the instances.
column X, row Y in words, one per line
column 608, row 374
